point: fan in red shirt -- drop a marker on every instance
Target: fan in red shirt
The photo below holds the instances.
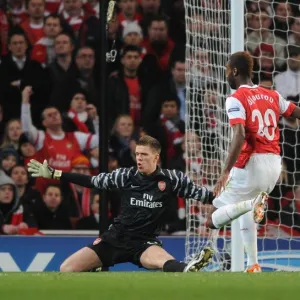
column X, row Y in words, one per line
column 158, row 43
column 73, row 14
column 43, row 51
column 34, row 25
column 56, row 146
column 253, row 165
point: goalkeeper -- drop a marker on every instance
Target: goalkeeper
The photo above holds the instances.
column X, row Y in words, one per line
column 145, row 198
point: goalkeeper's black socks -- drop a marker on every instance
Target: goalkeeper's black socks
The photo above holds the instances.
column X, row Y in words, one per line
column 174, row 265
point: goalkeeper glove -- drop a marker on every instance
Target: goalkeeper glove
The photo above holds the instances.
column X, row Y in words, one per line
column 36, row 169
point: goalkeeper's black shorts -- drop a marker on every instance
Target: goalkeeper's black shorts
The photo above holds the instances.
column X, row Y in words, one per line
column 115, row 248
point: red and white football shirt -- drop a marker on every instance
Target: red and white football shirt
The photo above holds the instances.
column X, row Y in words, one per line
column 259, row 110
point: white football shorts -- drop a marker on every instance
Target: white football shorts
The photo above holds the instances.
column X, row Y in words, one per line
column 259, row 175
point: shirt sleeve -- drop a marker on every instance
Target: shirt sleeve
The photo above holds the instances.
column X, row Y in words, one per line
column 114, row 180
column 286, row 107
column 86, row 140
column 184, row 187
column 236, row 111
column 36, row 137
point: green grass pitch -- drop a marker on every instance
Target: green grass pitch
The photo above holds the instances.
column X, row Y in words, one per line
column 150, row 285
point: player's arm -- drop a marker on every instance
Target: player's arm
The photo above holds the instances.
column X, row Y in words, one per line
column 107, row 181
column 235, row 146
column 237, row 117
column 288, row 108
column 184, row 187
column 35, row 136
column 296, row 113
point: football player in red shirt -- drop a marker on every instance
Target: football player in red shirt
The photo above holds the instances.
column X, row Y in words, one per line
column 253, row 165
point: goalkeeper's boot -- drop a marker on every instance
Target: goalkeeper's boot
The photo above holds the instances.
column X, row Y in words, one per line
column 253, row 269
column 259, row 206
column 200, row 260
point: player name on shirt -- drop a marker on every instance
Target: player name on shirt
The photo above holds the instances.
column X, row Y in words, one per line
column 252, row 99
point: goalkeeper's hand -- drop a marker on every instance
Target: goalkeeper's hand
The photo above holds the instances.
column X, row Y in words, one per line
column 36, row 169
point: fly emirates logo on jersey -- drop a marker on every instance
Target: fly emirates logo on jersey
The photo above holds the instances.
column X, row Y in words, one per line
column 146, row 202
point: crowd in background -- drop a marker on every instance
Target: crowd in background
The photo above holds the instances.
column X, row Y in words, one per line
column 49, row 96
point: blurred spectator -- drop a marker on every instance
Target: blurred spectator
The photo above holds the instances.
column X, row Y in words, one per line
column 4, row 28
column 54, row 145
column 17, row 71
column 89, row 34
column 63, row 66
column 209, row 121
column 13, row 215
column 158, row 42
column 177, row 21
column 26, row 149
column 124, row 89
column 294, row 37
column 112, row 161
column 33, row 26
column 12, row 133
column 172, row 129
column 133, row 36
column 174, row 85
column 201, row 69
column 150, row 9
column 123, row 140
column 264, row 34
column 52, row 6
column 259, row 5
column 128, row 14
column 9, row 158
column 84, row 77
column 78, row 198
column 91, row 8
column 73, row 14
column 81, row 116
column 43, row 51
column 91, row 222
column 17, row 12
column 264, row 63
column 282, row 18
column 52, row 213
column 288, row 82
column 28, row 196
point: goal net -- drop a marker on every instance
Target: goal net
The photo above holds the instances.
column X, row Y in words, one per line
column 272, row 36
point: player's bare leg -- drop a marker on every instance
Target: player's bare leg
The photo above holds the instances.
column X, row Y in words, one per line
column 155, row 258
column 84, row 259
column 225, row 214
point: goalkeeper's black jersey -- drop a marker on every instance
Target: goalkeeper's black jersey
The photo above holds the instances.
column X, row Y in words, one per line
column 145, row 198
